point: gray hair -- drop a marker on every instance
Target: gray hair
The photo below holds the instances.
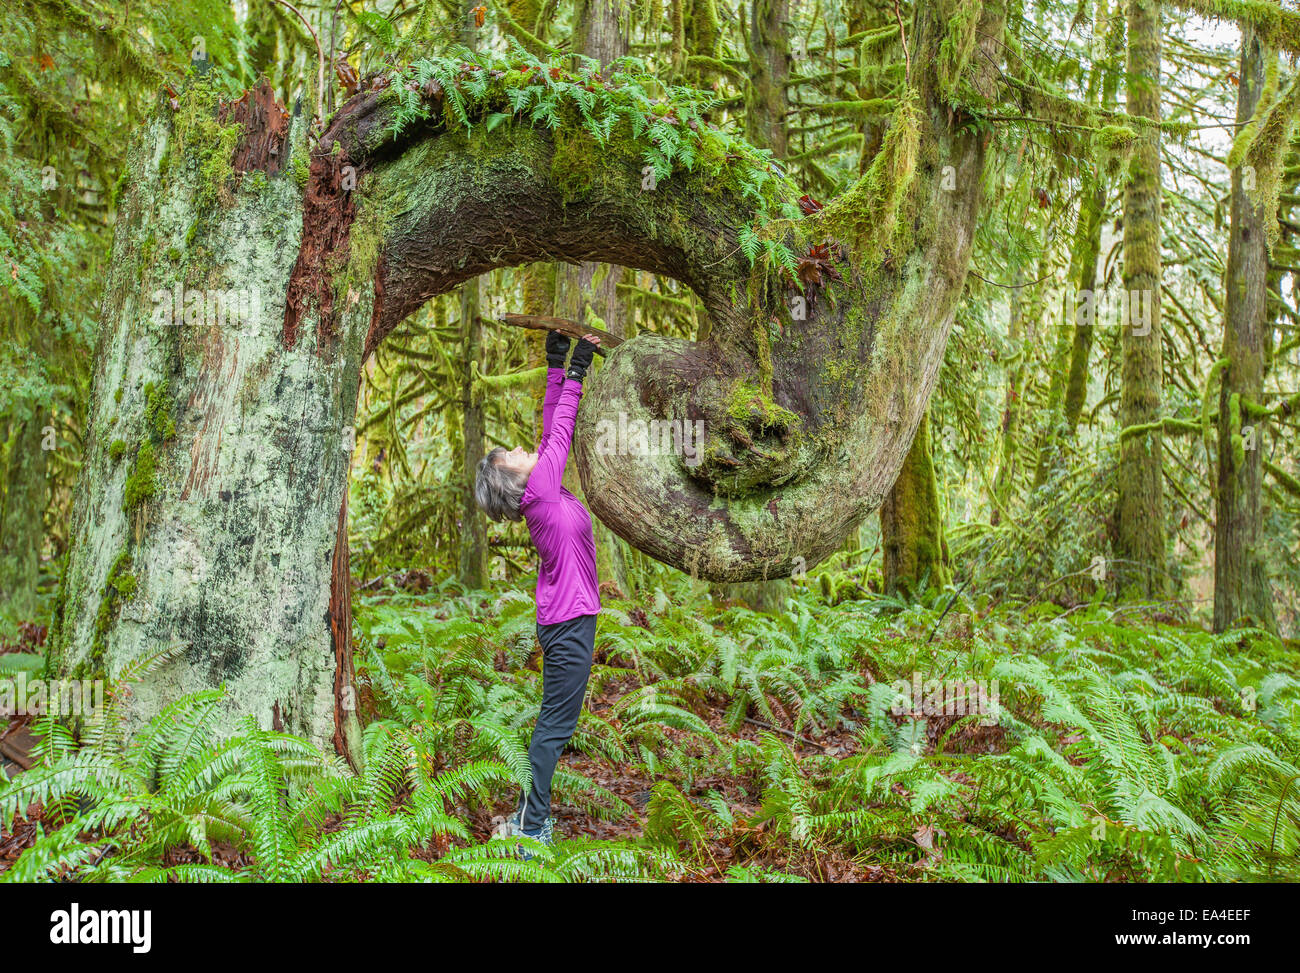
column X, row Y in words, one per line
column 498, row 489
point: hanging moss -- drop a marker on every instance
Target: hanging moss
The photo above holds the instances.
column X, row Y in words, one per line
column 1276, row 26
column 958, row 43
column 1261, row 144
column 871, row 217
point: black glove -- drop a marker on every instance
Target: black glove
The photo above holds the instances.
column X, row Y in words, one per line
column 581, row 360
column 557, row 348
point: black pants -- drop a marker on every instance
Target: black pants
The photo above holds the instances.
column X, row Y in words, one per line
column 566, row 664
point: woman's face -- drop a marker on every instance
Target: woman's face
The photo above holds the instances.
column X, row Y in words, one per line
column 518, row 460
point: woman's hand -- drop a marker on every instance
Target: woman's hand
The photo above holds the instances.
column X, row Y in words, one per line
column 582, row 355
column 557, row 347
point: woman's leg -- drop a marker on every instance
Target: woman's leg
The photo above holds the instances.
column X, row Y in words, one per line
column 566, row 664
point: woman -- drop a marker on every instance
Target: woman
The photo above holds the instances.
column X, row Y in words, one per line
column 518, row 485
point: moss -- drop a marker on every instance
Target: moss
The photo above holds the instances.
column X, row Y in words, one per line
column 366, row 238
column 157, row 411
column 1238, row 442
column 871, row 217
column 577, row 163
column 1112, row 137
column 301, row 170
column 763, row 352
column 115, row 196
column 117, row 395
column 141, row 483
column 125, row 585
column 958, row 43
column 116, row 449
column 119, row 586
column 753, row 405
column 205, row 144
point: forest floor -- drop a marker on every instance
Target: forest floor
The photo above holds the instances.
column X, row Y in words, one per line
column 866, row 740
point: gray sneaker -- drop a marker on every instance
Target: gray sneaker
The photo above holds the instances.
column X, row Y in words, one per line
column 545, row 835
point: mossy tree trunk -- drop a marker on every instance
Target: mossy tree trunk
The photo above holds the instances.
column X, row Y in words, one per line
column 207, row 528
column 1085, row 260
column 1140, row 514
column 911, row 524
column 766, row 102
column 22, row 513
column 1021, row 305
column 473, row 525
column 208, row 516
column 1085, row 257
column 1241, row 586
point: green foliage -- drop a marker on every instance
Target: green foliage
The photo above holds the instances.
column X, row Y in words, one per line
column 626, row 109
column 775, row 747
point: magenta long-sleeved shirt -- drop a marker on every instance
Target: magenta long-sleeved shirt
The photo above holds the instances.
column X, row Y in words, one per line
column 558, row 523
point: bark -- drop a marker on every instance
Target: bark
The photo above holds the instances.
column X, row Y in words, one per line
column 473, row 537
column 911, row 524
column 1092, row 212
column 766, row 104
column 1022, row 303
column 1140, row 516
column 22, row 513
column 1241, row 586
column 213, row 530
column 601, row 29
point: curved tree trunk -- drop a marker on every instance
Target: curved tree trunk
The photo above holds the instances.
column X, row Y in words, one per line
column 207, row 517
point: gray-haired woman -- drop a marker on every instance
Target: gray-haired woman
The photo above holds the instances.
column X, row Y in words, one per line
column 516, row 484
